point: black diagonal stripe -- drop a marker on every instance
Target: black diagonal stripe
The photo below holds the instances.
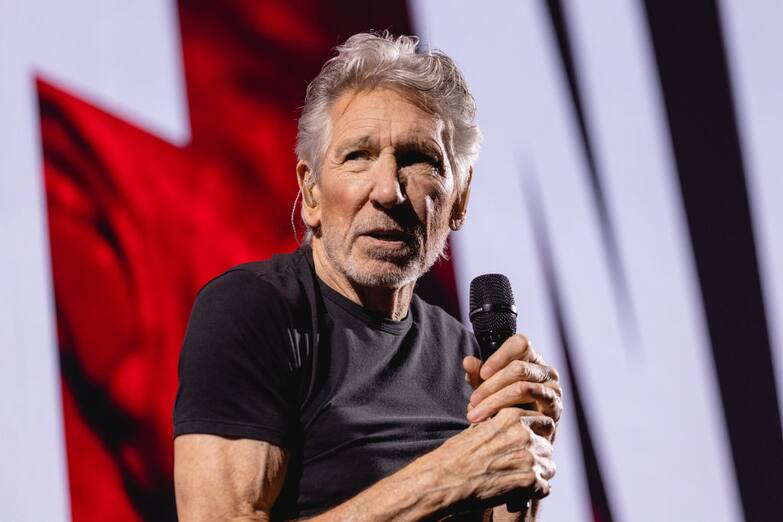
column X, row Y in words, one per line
column 620, row 287
column 694, row 77
column 595, row 483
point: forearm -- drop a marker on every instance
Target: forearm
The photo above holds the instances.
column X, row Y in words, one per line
column 471, row 470
column 413, row 493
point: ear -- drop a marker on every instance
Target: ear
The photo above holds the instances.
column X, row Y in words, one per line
column 311, row 210
column 460, row 208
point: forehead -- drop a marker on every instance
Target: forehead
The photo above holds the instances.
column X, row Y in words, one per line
column 383, row 114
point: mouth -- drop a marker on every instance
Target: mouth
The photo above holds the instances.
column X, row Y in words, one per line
column 390, row 236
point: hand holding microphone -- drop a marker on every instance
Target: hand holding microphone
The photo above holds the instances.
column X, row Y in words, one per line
column 512, row 373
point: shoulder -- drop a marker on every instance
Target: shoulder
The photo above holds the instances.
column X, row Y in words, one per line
column 235, row 294
column 252, row 301
column 259, row 285
column 237, row 284
column 245, row 313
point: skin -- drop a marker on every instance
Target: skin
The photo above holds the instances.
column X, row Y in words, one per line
column 515, row 374
column 384, row 200
column 382, row 208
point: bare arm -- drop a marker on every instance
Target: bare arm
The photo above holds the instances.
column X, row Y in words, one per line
column 239, row 480
column 226, row 479
column 476, row 468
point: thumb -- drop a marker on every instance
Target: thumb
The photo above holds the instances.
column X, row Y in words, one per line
column 472, row 366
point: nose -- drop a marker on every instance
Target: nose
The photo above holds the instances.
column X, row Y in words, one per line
column 388, row 189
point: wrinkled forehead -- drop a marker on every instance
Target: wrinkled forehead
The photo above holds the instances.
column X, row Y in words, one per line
column 385, row 113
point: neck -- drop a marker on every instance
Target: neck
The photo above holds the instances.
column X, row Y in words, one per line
column 392, row 303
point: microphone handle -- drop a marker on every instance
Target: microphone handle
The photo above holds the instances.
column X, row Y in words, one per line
column 487, row 347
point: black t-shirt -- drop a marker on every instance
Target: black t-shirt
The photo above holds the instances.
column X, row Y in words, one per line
column 354, row 397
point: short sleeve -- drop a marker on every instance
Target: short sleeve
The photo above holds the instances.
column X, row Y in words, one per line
column 236, row 378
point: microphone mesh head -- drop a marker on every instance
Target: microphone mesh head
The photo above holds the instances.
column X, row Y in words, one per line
column 492, row 289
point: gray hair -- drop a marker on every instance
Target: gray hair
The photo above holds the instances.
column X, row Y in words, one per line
column 371, row 60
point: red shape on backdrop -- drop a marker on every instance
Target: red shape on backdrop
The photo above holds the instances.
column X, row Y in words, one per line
column 138, row 225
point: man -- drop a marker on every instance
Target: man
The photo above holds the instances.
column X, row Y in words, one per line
column 317, row 383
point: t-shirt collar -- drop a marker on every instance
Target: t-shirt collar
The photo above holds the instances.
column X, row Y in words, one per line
column 359, row 312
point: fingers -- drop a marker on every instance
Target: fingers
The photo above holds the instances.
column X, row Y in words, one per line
column 541, row 488
column 547, row 400
column 535, row 478
column 513, row 375
column 516, row 370
column 472, row 365
column 516, row 347
column 514, row 457
column 543, row 465
column 541, row 425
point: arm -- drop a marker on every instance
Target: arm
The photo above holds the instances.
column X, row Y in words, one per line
column 477, row 468
column 226, row 479
column 239, row 480
column 412, row 493
column 236, row 345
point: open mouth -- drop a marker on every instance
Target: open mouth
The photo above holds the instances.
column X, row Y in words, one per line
column 391, row 236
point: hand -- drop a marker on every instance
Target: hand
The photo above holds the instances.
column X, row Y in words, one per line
column 495, row 460
column 515, row 374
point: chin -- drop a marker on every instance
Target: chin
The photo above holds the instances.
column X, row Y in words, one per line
column 387, row 273
column 375, row 264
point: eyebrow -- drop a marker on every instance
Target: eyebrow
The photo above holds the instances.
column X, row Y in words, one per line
column 359, row 142
column 406, row 144
column 424, row 145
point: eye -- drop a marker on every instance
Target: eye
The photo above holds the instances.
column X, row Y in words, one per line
column 418, row 157
column 357, row 155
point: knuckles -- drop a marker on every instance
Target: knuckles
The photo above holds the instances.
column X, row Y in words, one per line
column 551, row 393
column 516, row 446
column 519, row 389
column 551, row 470
column 510, row 421
column 507, row 415
column 546, row 426
column 519, row 369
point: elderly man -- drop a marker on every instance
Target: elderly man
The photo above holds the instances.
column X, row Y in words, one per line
column 316, row 383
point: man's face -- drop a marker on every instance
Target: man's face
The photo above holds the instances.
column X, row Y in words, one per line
column 386, row 189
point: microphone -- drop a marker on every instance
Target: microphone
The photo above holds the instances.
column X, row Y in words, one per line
column 493, row 315
column 492, row 312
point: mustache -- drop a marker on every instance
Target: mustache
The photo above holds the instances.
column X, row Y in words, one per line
column 408, row 234
column 385, row 226
column 399, row 220
column 412, row 232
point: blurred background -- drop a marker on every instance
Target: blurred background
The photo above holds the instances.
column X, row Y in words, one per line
column 630, row 186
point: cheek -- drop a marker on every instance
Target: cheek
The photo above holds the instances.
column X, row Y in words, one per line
column 342, row 200
column 430, row 199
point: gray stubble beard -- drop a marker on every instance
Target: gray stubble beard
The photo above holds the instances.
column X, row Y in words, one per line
column 396, row 278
